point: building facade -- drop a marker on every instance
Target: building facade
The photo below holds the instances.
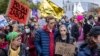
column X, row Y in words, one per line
column 69, row 6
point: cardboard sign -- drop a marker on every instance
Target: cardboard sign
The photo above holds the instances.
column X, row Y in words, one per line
column 18, row 11
column 65, row 49
column 3, row 21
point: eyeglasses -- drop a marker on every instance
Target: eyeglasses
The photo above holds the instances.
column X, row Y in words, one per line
column 36, row 25
column 62, row 30
column 52, row 23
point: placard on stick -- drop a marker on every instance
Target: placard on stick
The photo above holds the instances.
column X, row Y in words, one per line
column 18, row 11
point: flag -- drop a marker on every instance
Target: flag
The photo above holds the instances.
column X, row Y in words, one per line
column 75, row 9
column 80, row 9
column 47, row 7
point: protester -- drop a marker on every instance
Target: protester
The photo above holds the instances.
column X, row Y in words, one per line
column 98, row 14
column 3, row 42
column 65, row 21
column 63, row 37
column 86, row 28
column 45, row 38
column 28, row 39
column 42, row 22
column 77, row 28
column 36, row 26
column 92, row 46
column 97, row 23
column 15, row 47
column 15, row 27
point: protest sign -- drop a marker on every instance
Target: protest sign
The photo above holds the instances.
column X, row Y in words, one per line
column 18, row 11
column 3, row 21
column 65, row 49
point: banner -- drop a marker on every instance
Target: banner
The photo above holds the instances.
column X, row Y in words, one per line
column 78, row 9
column 3, row 21
column 47, row 7
column 35, row 13
column 65, row 49
column 18, row 11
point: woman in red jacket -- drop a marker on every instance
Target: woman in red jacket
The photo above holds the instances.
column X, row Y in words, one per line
column 28, row 39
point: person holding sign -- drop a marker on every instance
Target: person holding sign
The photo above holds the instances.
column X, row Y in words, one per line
column 62, row 41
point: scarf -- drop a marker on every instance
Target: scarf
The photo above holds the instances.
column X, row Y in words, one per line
column 13, row 52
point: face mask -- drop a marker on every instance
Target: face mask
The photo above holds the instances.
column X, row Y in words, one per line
column 27, row 30
column 32, row 24
column 98, row 45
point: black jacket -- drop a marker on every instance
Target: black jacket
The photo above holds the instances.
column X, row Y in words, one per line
column 23, row 50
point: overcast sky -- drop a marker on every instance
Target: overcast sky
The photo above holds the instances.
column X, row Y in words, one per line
column 60, row 2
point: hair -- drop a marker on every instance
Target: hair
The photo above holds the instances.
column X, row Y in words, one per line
column 91, row 43
column 62, row 25
column 2, row 35
column 93, row 34
column 48, row 18
column 36, row 23
column 97, row 9
column 59, row 35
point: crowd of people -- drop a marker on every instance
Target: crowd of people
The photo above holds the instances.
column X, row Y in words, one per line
column 39, row 37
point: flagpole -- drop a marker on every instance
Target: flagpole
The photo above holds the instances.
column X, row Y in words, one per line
column 63, row 4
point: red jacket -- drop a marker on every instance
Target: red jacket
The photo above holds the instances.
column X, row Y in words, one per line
column 30, row 43
column 3, row 45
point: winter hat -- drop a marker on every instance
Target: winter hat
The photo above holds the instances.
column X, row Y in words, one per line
column 79, row 17
column 95, row 31
column 12, row 35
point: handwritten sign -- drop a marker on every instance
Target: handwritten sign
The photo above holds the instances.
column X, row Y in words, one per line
column 3, row 21
column 18, row 11
column 65, row 49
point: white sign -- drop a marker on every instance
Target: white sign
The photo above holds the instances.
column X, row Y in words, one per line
column 3, row 21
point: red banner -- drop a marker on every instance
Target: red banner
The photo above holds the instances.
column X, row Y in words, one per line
column 18, row 11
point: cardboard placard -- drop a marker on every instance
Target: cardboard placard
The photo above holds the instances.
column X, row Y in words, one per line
column 65, row 49
column 18, row 11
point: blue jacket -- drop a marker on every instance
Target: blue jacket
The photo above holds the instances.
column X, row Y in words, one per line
column 84, row 52
column 87, row 51
column 42, row 42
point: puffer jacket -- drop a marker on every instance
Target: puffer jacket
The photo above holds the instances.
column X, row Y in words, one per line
column 42, row 42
